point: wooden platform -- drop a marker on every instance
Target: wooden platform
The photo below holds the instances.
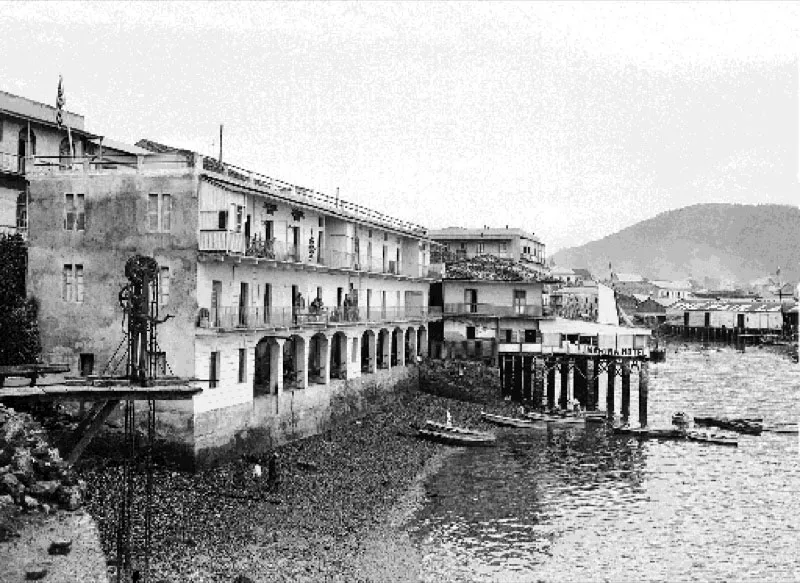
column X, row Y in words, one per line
column 95, row 393
column 30, row 371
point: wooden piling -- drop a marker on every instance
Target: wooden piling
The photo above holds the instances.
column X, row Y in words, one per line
column 626, row 390
column 527, row 378
column 551, row 383
column 591, row 384
column 644, row 384
column 612, row 381
column 538, row 382
column 516, row 390
column 564, row 373
column 579, row 380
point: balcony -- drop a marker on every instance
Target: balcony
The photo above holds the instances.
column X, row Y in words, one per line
column 234, row 317
column 495, row 311
column 235, row 243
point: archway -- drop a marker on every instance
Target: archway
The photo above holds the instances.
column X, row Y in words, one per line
column 397, row 347
column 318, row 358
column 263, row 367
column 383, row 349
column 410, row 345
column 422, row 341
column 368, row 350
column 294, row 358
column 339, row 356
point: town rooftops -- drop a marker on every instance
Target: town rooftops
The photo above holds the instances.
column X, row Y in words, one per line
column 671, row 285
column 582, row 272
column 728, row 306
column 461, row 233
column 490, row 268
column 628, row 278
column 15, row 106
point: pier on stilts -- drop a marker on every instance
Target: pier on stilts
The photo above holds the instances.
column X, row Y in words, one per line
column 544, row 378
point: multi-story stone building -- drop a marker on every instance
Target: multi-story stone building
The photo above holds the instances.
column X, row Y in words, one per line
column 284, row 302
column 27, row 129
column 515, row 244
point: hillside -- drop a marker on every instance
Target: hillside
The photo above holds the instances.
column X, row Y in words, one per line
column 710, row 243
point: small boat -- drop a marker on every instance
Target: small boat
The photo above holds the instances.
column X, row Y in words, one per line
column 507, row 421
column 458, row 439
column 783, row 428
column 650, row 433
column 567, row 419
column 443, row 427
column 708, row 437
column 750, row 425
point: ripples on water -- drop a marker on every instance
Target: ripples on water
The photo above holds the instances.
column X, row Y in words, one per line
column 573, row 503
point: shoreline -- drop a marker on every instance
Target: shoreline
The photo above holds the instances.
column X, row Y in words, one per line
column 339, row 514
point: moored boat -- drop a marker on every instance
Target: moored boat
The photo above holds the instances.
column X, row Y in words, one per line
column 436, row 426
column 650, row 433
column 458, row 439
column 508, row 421
column 708, row 437
column 749, row 425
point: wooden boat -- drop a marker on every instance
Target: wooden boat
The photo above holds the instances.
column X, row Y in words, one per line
column 681, row 418
column 650, row 433
column 436, row 426
column 708, row 437
column 567, row 419
column 459, row 439
column 508, row 421
column 752, row 426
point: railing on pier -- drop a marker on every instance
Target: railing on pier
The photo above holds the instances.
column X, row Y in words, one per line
column 232, row 317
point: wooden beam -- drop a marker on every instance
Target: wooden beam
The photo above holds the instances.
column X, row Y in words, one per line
column 94, row 427
column 88, row 393
column 96, row 408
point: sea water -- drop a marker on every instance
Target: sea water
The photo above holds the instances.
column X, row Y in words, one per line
column 575, row 503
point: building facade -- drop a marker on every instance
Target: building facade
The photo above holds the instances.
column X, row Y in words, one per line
column 515, row 244
column 284, row 303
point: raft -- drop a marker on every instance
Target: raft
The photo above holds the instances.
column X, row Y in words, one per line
column 708, row 437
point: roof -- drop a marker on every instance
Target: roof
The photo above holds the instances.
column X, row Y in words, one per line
column 677, row 285
column 583, row 289
column 489, row 267
column 556, row 271
column 565, row 326
column 16, row 105
column 716, row 306
column 629, row 277
column 641, row 297
column 585, row 273
column 458, row 233
column 666, row 302
column 127, row 148
column 157, row 148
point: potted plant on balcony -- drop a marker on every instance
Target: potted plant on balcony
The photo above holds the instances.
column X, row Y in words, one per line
column 202, row 318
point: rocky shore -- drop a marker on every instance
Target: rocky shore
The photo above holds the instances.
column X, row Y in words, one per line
column 337, row 514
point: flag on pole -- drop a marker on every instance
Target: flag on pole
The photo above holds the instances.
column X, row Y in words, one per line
column 60, row 102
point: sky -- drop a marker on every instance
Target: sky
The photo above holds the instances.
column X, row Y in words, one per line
column 570, row 120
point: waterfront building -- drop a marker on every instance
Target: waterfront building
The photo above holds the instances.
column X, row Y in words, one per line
column 723, row 317
column 517, row 245
column 286, row 305
column 593, row 302
column 27, row 129
column 677, row 290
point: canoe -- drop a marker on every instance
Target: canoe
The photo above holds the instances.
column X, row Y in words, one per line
column 459, row 439
column 753, row 426
column 708, row 437
column 650, row 433
column 508, row 421
column 436, row 426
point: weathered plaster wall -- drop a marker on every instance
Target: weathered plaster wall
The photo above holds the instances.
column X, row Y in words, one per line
column 115, row 229
column 271, row 420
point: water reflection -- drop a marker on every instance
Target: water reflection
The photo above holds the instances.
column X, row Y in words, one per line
column 575, row 503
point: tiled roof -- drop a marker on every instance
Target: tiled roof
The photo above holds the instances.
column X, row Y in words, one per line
column 726, row 307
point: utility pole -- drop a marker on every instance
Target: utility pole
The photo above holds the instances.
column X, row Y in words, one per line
column 220, row 143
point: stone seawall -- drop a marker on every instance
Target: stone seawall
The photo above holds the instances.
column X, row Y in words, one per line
column 272, row 420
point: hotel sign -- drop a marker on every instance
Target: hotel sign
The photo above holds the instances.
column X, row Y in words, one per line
column 527, row 348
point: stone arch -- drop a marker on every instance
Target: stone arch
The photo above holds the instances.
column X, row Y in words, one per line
column 410, row 345
column 318, row 362
column 262, row 373
column 339, row 356
column 368, row 352
column 383, row 356
column 294, row 362
column 422, row 341
column 397, row 347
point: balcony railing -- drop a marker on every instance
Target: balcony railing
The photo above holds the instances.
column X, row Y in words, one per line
column 478, row 309
column 226, row 241
column 232, row 317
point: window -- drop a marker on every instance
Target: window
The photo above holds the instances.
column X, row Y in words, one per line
column 503, row 247
column 530, row 336
column 470, row 332
column 242, row 365
column 74, row 217
column 163, row 287
column 239, row 218
column 86, row 364
column 22, row 211
column 519, row 301
column 222, row 220
column 159, row 213
column 72, row 283
column 480, row 248
column 321, row 222
column 161, row 364
column 213, row 370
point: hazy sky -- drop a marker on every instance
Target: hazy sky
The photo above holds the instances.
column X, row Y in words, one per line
column 571, row 120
